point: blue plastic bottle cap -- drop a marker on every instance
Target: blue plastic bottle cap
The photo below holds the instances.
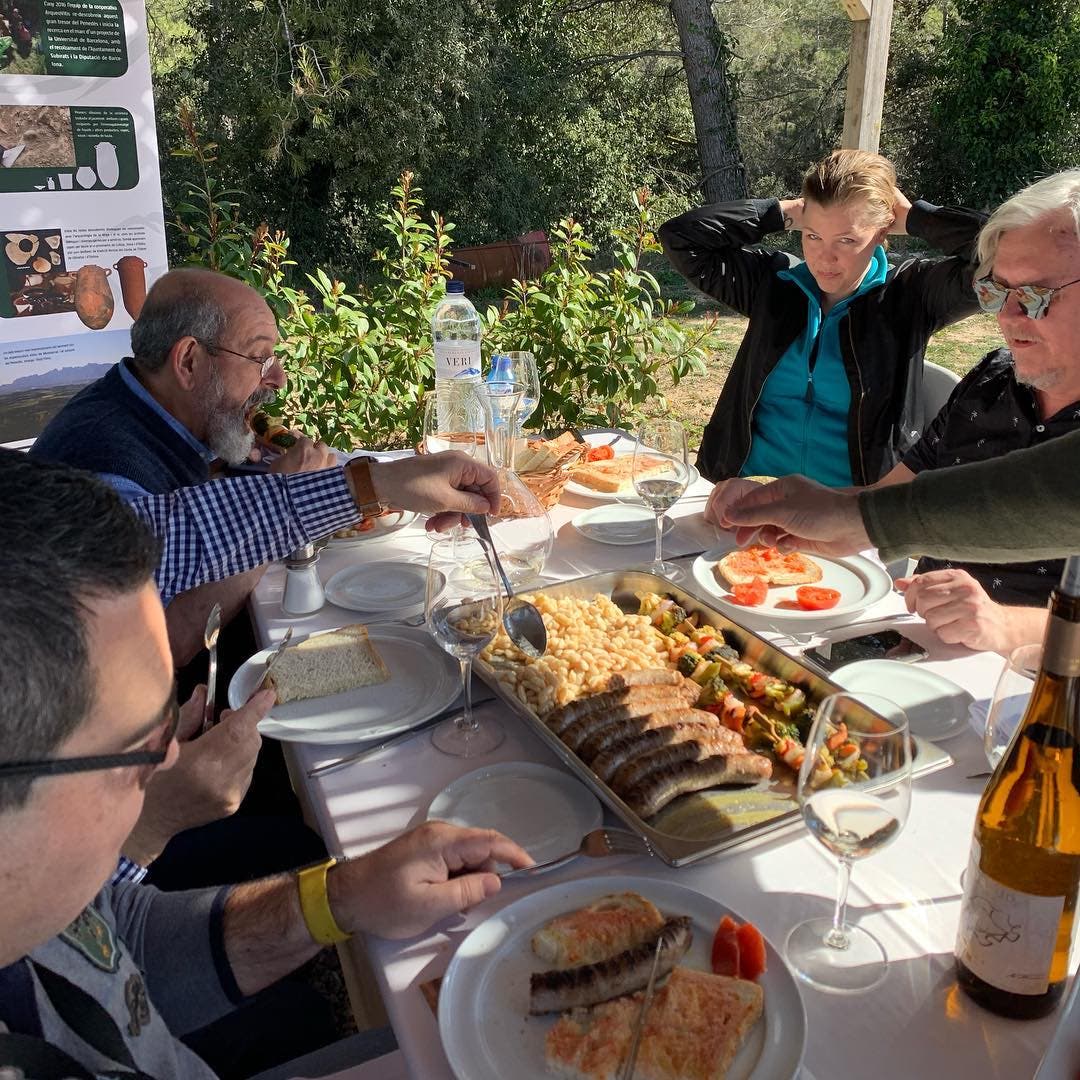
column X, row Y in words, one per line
column 455, row 286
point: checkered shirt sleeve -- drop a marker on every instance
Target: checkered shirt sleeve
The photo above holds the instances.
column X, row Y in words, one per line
column 126, row 870
column 228, row 526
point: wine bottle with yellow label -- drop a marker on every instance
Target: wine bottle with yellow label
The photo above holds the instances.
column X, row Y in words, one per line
column 1019, row 907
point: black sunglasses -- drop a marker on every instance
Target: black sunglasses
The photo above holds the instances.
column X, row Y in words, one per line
column 60, row 766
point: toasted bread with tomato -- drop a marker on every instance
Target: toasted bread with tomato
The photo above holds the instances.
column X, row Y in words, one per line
column 770, row 565
column 618, row 472
column 601, row 930
column 693, row 1030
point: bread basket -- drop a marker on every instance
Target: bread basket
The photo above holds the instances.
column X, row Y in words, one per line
column 546, row 484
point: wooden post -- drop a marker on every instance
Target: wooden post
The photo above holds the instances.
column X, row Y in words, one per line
column 868, row 62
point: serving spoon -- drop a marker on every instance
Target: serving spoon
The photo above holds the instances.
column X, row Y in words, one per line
column 523, row 623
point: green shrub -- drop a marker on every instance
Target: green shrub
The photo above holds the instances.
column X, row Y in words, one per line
column 359, row 362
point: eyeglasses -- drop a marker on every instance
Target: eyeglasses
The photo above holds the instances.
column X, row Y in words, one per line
column 60, row 766
column 1033, row 299
column 265, row 362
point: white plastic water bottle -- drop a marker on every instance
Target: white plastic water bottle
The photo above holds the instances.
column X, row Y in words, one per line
column 455, row 330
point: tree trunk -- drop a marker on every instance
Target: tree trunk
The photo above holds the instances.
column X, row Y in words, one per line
column 706, row 55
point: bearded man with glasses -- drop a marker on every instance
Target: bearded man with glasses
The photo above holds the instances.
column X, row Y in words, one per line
column 103, row 981
column 202, row 363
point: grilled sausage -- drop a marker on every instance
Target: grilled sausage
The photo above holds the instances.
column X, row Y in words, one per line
column 571, row 988
column 581, row 731
column 560, row 719
column 640, row 767
column 666, row 784
column 649, row 677
column 604, row 735
column 608, row 762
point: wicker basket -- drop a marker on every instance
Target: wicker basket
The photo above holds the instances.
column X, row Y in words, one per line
column 547, row 485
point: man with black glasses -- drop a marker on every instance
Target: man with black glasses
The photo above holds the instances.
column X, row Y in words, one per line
column 94, row 980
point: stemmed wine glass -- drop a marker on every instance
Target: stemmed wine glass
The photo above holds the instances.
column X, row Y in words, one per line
column 518, row 367
column 661, row 472
column 1014, row 686
column 463, row 606
column 853, row 814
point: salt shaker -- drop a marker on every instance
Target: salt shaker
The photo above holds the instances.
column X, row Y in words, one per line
column 303, row 589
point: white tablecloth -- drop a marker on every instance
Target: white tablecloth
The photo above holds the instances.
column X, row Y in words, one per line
column 917, row 1023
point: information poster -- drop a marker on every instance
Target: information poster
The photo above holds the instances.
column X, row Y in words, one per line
column 82, row 234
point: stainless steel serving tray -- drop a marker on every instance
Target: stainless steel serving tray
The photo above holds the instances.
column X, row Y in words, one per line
column 706, row 836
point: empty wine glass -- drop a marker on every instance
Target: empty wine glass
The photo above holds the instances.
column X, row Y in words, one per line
column 1014, row 686
column 463, row 606
column 453, row 419
column 518, row 367
column 661, row 471
column 855, row 792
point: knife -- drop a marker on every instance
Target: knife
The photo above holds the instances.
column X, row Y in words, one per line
column 273, row 658
column 210, row 640
column 438, row 718
column 646, row 1001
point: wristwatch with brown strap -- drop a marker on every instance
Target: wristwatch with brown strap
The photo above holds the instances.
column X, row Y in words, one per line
column 362, row 488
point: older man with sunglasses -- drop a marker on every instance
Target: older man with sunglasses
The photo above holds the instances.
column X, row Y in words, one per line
column 202, row 361
column 1016, row 398
column 100, row 981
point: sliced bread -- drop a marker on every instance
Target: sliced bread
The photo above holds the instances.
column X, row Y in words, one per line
column 327, row 664
column 616, row 473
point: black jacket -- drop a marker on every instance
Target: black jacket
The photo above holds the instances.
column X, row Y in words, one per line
column 883, row 335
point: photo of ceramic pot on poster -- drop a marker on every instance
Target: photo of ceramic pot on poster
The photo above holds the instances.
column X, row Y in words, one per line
column 132, row 271
column 93, row 296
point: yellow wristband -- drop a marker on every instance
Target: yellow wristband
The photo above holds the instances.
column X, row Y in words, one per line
column 315, row 904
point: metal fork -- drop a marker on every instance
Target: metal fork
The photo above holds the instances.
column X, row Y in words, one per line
column 210, row 638
column 800, row 638
column 597, row 844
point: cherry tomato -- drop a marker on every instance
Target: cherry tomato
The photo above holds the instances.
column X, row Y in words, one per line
column 600, row 453
column 751, row 951
column 752, row 593
column 738, row 950
column 725, row 948
column 815, row 598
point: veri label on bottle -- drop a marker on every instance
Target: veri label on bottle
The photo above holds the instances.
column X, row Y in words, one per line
column 1007, row 937
column 457, row 359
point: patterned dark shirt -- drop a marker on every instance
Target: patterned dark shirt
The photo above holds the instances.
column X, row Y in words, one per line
column 990, row 414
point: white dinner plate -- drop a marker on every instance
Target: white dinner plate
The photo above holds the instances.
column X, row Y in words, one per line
column 936, row 707
column 860, row 581
column 488, row 1034
column 378, row 586
column 620, row 523
column 384, row 526
column 625, row 445
column 545, row 810
column 423, row 681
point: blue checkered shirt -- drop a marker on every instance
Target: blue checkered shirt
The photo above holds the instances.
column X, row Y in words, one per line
column 225, row 527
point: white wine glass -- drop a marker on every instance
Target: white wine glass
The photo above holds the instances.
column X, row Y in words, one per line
column 453, row 419
column 463, row 606
column 518, row 367
column 853, row 806
column 1007, row 706
column 661, row 472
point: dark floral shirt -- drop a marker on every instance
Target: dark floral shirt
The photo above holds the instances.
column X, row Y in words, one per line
column 990, row 414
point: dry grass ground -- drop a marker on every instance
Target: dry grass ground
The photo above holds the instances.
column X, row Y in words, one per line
column 958, row 348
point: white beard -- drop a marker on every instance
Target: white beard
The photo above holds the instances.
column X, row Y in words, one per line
column 227, row 431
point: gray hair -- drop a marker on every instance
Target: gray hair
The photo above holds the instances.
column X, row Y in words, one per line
column 70, row 538
column 1047, row 196
column 181, row 304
